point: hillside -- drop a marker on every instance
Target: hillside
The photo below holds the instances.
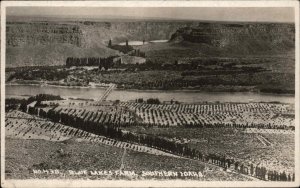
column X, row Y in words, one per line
column 51, row 42
column 23, row 157
column 42, row 43
column 35, row 144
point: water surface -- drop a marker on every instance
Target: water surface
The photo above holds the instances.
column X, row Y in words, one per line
column 125, row 95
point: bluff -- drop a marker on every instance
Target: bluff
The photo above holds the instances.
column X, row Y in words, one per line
column 240, row 38
column 51, row 42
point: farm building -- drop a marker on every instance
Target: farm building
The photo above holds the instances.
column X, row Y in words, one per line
column 126, row 59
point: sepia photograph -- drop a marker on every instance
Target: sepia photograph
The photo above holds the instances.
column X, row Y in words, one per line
column 149, row 94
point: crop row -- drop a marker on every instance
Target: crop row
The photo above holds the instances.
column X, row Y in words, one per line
column 79, row 116
column 215, row 107
column 259, row 115
column 169, row 118
column 19, row 124
column 247, row 115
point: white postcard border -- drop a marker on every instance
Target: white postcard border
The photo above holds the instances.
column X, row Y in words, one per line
column 150, row 183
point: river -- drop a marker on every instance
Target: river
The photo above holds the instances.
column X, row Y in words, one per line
column 125, row 95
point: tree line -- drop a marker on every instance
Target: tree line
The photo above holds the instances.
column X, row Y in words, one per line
column 105, row 63
column 12, row 104
column 148, row 101
column 39, row 98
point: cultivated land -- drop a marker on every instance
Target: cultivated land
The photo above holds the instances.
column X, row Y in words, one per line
column 255, row 74
column 204, row 133
column 260, row 147
column 35, row 144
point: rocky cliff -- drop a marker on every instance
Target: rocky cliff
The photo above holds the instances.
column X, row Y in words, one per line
column 24, row 34
column 50, row 43
column 86, row 34
column 250, row 38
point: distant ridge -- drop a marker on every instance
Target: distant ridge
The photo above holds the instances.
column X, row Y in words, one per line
column 112, row 18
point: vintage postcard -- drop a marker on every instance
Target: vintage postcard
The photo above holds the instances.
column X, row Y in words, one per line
column 150, row 94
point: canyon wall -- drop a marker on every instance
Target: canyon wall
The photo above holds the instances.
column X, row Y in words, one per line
column 247, row 38
column 50, row 43
column 24, row 34
column 86, row 34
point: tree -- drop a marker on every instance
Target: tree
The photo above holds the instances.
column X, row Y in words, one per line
column 176, row 62
column 109, row 43
column 251, row 169
column 126, row 42
column 153, row 101
column 140, row 100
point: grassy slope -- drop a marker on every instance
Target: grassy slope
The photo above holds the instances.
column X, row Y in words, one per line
column 184, row 49
column 52, row 54
column 24, row 155
column 228, row 141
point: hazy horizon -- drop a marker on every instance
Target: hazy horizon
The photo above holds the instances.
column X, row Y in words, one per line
column 230, row 14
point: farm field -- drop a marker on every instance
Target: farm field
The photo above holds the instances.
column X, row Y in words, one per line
column 210, row 133
column 266, row 147
column 262, row 115
column 210, row 128
column 26, row 126
column 255, row 74
column 237, row 115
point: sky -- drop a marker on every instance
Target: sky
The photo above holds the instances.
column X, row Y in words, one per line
column 248, row 14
